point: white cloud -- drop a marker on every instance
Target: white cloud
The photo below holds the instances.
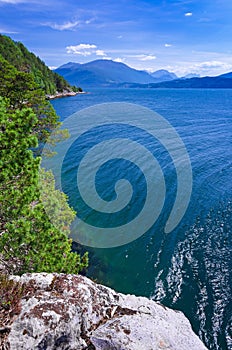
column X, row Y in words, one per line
column 88, row 21
column 52, row 67
column 143, row 57
column 150, row 70
column 180, row 62
column 81, row 49
column 12, row 1
column 85, row 46
column 188, row 14
column 211, row 64
column 167, row 45
column 87, row 50
column 100, row 53
column 68, row 25
column 107, row 58
column 212, row 67
column 119, row 36
column 15, row 2
column 147, row 57
column 6, row 31
column 205, row 68
column 119, row 59
column 64, row 26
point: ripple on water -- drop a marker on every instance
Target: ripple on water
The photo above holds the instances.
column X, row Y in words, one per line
column 201, row 267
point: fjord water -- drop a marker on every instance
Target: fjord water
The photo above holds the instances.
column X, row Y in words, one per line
column 189, row 269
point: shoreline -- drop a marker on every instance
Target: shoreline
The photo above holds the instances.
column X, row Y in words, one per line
column 64, row 94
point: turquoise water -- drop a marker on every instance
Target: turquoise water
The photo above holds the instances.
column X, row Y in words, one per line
column 190, row 268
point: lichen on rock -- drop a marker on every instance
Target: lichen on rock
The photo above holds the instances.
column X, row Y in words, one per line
column 71, row 312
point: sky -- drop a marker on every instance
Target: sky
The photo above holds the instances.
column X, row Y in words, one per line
column 182, row 36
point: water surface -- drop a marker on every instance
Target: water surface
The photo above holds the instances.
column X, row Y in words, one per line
column 190, row 268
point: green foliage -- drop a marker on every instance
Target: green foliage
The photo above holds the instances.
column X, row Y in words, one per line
column 17, row 86
column 28, row 240
column 24, row 61
column 77, row 89
column 21, row 91
column 18, row 167
column 55, row 202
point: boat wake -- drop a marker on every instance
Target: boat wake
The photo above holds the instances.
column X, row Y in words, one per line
column 200, row 277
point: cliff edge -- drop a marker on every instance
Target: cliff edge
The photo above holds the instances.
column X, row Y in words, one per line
column 59, row 311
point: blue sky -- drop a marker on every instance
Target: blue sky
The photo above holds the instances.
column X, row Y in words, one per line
column 183, row 36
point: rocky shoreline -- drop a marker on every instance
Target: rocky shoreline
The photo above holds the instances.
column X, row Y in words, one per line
column 64, row 94
column 59, row 311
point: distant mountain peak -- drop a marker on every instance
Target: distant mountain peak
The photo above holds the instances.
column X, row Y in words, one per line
column 163, row 75
column 70, row 65
column 102, row 73
column 162, row 71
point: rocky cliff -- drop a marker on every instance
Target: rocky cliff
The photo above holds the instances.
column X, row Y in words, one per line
column 71, row 312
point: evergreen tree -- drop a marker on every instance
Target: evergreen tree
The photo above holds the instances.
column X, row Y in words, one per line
column 28, row 240
column 21, row 90
column 24, row 61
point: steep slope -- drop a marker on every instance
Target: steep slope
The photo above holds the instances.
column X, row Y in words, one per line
column 23, row 60
column 103, row 73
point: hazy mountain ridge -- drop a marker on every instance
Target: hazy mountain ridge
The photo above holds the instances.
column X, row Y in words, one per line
column 164, row 75
column 191, row 75
column 100, row 73
column 218, row 82
column 227, row 75
column 107, row 73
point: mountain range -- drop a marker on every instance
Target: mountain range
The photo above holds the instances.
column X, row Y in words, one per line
column 219, row 82
column 107, row 73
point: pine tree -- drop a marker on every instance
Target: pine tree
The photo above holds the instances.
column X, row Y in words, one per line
column 22, row 91
column 24, row 61
column 28, row 239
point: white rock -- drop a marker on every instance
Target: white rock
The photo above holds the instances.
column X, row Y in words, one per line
column 71, row 312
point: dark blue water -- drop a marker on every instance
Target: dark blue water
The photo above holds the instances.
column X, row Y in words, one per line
column 190, row 268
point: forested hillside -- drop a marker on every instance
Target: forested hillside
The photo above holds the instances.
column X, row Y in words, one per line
column 29, row 241
column 23, row 60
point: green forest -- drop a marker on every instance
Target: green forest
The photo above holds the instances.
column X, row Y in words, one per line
column 24, row 61
column 29, row 242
